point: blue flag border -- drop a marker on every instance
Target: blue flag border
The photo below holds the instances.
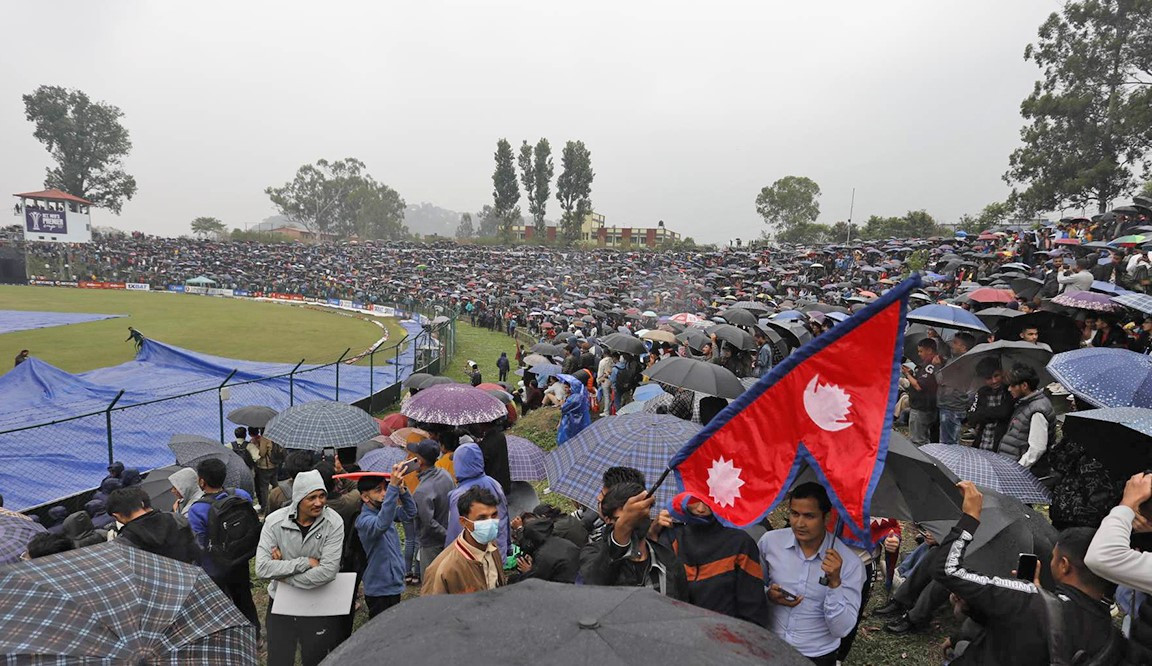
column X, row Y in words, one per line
column 898, row 294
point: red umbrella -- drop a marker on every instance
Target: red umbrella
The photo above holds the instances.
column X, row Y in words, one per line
column 393, row 422
column 990, row 295
column 1067, row 241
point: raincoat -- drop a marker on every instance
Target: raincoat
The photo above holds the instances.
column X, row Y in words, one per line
column 574, row 413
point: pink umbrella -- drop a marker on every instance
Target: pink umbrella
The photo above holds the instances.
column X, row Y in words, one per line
column 684, row 318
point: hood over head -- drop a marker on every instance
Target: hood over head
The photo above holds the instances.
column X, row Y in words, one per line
column 468, row 461
column 305, row 483
column 95, row 507
column 185, row 481
column 130, row 477
column 536, row 532
column 57, row 514
column 108, row 485
column 77, row 525
column 115, row 469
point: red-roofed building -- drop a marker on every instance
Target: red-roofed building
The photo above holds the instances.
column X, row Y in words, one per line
column 54, row 216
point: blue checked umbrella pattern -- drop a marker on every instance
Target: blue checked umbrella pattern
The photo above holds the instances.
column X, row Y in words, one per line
column 990, row 470
column 643, row 441
column 1105, row 377
column 320, row 424
column 16, row 530
column 383, row 459
column 1141, row 302
column 454, row 405
column 111, row 603
column 191, row 449
column 525, row 460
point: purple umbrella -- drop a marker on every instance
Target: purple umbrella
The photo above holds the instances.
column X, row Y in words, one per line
column 454, row 405
column 15, row 533
column 1087, row 300
column 525, row 460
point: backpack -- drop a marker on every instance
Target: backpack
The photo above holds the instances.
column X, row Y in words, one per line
column 628, row 378
column 233, row 529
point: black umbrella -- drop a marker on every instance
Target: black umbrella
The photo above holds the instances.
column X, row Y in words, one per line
column 693, row 337
column 624, row 343
column 699, row 376
column 191, row 449
column 159, row 488
column 1056, row 330
column 961, row 371
column 737, row 337
column 110, row 603
column 1119, row 437
column 558, row 624
column 547, row 349
column 739, row 317
column 794, row 333
column 415, row 380
column 254, row 416
column 993, row 317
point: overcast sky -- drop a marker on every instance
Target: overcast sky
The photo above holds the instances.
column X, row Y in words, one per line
column 688, row 108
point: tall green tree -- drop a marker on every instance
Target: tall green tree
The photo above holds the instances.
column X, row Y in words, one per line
column 1146, row 191
column 376, row 212
column 489, row 224
column 464, row 229
column 536, row 176
column 208, row 226
column 914, row 224
column 1089, row 118
column 789, row 202
column 88, row 143
column 574, row 188
column 318, row 198
column 505, row 189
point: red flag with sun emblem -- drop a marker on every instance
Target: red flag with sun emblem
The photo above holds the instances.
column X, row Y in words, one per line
column 829, row 403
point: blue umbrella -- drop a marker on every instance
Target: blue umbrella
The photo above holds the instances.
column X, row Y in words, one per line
column 643, row 441
column 647, row 392
column 383, row 458
column 788, row 315
column 947, row 317
column 545, row 370
column 1105, row 377
column 525, row 460
column 990, row 470
column 1108, row 288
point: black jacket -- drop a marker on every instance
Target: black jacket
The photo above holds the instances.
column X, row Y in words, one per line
column 604, row 563
column 1012, row 611
column 723, row 569
column 161, row 534
column 553, row 558
column 79, row 528
column 494, row 446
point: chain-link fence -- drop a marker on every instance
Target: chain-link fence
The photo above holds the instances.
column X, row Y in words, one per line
column 73, row 452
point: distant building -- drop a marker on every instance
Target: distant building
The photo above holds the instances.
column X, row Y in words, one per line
column 54, row 216
column 303, row 235
column 595, row 230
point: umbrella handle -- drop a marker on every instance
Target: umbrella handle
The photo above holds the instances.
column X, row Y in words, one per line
column 659, row 482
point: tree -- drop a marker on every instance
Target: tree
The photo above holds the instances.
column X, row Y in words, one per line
column 87, row 142
column 803, row 233
column 489, row 222
column 790, row 201
column 536, row 177
column 505, row 189
column 1088, row 120
column 318, row 197
column 1146, row 191
column 842, row 232
column 378, row 212
column 574, row 188
column 208, row 226
column 465, row 228
column 914, row 224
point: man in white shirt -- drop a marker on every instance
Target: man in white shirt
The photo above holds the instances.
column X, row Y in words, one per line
column 1032, row 426
column 1077, row 279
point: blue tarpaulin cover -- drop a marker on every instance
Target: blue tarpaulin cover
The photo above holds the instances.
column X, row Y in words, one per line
column 23, row 320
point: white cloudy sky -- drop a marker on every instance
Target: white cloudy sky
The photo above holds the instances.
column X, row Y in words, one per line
column 689, row 108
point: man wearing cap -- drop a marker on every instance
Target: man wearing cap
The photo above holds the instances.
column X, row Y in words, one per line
column 431, row 500
column 386, row 500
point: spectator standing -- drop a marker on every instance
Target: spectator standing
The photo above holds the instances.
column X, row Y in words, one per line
column 266, row 457
column 503, row 365
column 952, row 401
column 469, row 464
column 991, row 407
column 922, row 392
column 158, row 533
column 386, row 501
column 431, row 500
column 472, row 562
column 1031, row 430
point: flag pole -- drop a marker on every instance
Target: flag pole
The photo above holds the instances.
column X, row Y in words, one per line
column 659, row 482
column 835, row 531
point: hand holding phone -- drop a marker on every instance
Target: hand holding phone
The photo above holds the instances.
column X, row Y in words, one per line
column 1027, row 566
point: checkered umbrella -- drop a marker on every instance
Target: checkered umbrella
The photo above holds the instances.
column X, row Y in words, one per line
column 1140, row 302
column 16, row 531
column 190, row 450
column 116, row 604
column 643, row 441
column 525, row 460
column 454, row 405
column 383, row 459
column 990, row 470
column 320, row 424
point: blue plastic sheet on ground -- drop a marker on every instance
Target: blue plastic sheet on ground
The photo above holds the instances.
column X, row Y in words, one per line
column 38, row 465
column 23, row 320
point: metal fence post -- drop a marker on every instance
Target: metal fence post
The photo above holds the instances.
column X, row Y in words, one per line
column 292, row 384
column 396, row 362
column 220, row 399
column 372, row 373
column 108, row 425
column 338, row 362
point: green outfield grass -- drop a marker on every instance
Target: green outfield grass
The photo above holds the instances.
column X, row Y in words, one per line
column 233, row 328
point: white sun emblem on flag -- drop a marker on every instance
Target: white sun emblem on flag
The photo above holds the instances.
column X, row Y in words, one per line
column 724, row 482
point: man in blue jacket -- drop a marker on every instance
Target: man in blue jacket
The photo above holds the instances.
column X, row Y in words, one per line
column 386, row 500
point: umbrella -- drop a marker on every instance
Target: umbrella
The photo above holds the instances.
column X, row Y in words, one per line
column 643, row 441
column 1087, row 300
column 547, row 349
column 455, row 405
column 660, row 336
column 438, row 380
column 402, row 436
column 1105, row 376
column 321, row 424
column 737, row 337
column 701, row 376
column 415, row 380
column 542, row 370
column 795, row 333
column 554, row 623
column 755, row 307
column 255, row 416
column 693, row 337
column 993, row 316
column 1119, row 437
column 684, row 318
column 1140, row 302
column 1056, row 330
column 535, row 359
column 16, row 530
column 110, row 603
column 158, row 487
column 961, row 371
column 377, row 442
column 525, row 460
column 624, row 343
column 383, row 459
column 739, row 317
column 190, row 450
column 1027, row 287
column 990, row 470
column 990, row 295
column 947, row 316
column 646, row 392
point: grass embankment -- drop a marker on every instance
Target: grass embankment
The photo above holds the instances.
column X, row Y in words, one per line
column 232, row 328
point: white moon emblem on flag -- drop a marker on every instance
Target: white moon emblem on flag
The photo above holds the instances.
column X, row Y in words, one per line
column 827, row 405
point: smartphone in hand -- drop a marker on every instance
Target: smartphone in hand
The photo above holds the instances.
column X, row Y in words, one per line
column 1026, row 567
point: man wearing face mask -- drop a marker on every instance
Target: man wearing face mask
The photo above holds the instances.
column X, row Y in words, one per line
column 627, row 555
column 386, row 501
column 471, row 563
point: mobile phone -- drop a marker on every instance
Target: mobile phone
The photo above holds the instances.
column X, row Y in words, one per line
column 788, row 595
column 1026, row 567
column 410, row 466
column 329, row 453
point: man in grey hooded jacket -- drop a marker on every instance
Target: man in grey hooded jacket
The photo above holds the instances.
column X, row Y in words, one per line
column 301, row 545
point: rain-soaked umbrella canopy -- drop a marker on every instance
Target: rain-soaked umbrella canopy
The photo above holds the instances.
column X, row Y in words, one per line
column 16, row 530
column 321, row 424
column 454, row 405
column 190, row 450
column 254, row 416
